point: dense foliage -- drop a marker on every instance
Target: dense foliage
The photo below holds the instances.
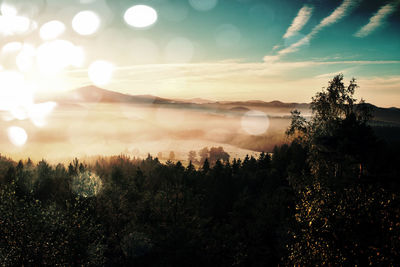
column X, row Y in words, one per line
column 330, row 197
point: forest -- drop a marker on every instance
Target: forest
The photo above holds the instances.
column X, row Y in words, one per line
column 330, row 196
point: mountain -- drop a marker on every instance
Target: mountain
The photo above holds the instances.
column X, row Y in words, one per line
column 260, row 103
column 93, row 94
column 196, row 100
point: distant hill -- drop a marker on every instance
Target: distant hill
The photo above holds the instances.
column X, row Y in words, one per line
column 239, row 109
column 272, row 104
column 93, row 94
column 196, row 100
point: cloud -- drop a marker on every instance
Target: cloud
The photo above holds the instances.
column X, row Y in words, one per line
column 377, row 20
column 340, row 12
column 223, row 69
column 299, row 21
column 276, row 47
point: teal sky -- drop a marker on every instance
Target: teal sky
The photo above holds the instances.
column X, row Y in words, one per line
column 236, row 49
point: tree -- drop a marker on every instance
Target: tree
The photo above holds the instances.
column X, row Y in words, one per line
column 335, row 224
column 204, row 153
column 337, row 135
column 171, row 155
column 218, row 153
column 192, row 157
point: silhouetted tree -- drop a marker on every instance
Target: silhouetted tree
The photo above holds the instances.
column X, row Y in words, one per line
column 218, row 153
column 192, row 156
column 204, row 153
column 171, row 156
column 334, row 222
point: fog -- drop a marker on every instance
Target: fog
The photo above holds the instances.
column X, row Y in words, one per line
column 79, row 130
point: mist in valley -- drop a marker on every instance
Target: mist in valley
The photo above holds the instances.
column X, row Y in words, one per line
column 89, row 129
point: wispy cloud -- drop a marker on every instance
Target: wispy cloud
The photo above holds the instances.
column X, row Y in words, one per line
column 276, row 47
column 378, row 19
column 340, row 12
column 299, row 21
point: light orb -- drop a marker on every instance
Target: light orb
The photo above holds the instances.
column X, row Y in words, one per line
column 14, row 92
column 140, row 16
column 8, row 10
column 51, row 30
column 54, row 56
column 100, row 72
column 11, row 47
column 255, row 122
column 86, row 22
column 11, row 25
column 203, row 5
column 17, row 135
column 26, row 58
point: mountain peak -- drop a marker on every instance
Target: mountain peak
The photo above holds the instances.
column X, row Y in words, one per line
column 92, row 93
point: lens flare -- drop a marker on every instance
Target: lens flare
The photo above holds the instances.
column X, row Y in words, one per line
column 255, row 122
column 86, row 22
column 26, row 58
column 30, row 8
column 8, row 10
column 11, row 25
column 38, row 113
column 14, row 92
column 174, row 11
column 100, row 72
column 51, row 30
column 86, row 184
column 140, row 16
column 11, row 47
column 203, row 5
column 17, row 135
column 53, row 57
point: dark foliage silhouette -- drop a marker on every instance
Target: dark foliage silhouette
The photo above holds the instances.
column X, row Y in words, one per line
column 330, row 197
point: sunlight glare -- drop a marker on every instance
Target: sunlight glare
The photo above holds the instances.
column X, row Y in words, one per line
column 140, row 16
column 11, row 47
column 77, row 56
column 17, row 135
column 86, row 22
column 14, row 92
column 51, row 30
column 10, row 25
column 26, row 58
column 100, row 72
column 39, row 112
column 54, row 56
column 8, row 10
column 255, row 122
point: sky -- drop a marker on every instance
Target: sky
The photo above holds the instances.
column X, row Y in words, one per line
column 267, row 50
